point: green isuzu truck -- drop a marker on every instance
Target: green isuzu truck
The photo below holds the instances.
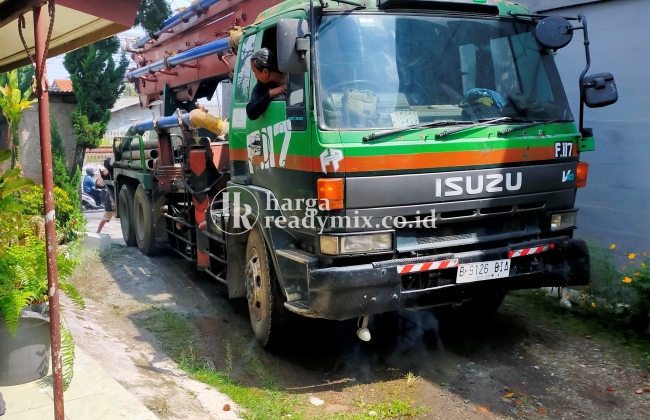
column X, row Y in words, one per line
column 424, row 155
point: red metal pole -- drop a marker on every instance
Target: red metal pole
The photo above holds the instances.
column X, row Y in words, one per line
column 40, row 18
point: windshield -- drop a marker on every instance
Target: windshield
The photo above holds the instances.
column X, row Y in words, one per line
column 381, row 71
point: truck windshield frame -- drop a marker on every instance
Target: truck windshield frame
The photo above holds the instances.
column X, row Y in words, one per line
column 372, row 70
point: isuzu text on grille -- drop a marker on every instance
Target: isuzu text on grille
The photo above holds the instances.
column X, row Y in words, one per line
column 476, row 184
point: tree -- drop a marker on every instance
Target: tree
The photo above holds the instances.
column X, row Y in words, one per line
column 13, row 103
column 152, row 14
column 96, row 83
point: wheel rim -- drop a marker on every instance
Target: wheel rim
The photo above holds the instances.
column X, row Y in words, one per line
column 139, row 222
column 254, row 290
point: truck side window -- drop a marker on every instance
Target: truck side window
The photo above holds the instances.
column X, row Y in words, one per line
column 296, row 110
column 243, row 79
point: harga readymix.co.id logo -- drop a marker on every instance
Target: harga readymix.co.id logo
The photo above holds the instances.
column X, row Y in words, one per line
column 237, row 204
column 240, row 209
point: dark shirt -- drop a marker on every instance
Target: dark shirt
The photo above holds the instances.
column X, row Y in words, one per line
column 108, row 182
column 260, row 100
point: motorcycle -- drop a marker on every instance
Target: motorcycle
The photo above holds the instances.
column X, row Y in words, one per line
column 88, row 201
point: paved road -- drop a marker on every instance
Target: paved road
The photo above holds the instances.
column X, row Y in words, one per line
column 112, row 228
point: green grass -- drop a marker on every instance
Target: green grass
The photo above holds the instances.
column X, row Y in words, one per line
column 177, row 339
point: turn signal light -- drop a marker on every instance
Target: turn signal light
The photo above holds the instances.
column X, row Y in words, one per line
column 581, row 174
column 330, row 193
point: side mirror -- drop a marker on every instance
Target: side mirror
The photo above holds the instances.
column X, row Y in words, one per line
column 599, row 90
column 554, row 32
column 293, row 45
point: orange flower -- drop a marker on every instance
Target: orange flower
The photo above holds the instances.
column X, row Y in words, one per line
column 632, row 256
column 637, row 274
column 593, row 304
column 643, row 265
column 612, row 246
column 624, row 268
column 627, row 280
column 645, row 253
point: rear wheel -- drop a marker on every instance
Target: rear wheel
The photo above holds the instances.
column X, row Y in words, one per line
column 265, row 301
column 143, row 226
column 126, row 214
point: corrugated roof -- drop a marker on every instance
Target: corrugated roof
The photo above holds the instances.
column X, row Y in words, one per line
column 126, row 102
column 77, row 23
column 61, row 85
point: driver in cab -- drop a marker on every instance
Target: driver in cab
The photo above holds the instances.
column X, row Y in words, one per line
column 271, row 82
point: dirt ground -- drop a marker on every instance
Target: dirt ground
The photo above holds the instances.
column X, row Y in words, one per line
column 508, row 366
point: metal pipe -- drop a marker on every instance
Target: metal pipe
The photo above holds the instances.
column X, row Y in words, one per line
column 585, row 34
column 215, row 47
column 135, row 154
column 197, row 8
column 41, row 16
column 149, row 144
column 150, row 163
column 192, row 120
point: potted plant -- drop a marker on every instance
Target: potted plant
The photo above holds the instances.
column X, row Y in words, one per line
column 24, row 321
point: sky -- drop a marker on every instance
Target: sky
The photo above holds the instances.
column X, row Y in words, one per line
column 55, row 69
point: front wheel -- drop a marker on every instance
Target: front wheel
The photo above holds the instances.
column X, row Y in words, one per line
column 265, row 301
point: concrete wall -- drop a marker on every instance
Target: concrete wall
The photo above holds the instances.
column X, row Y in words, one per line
column 30, row 148
column 614, row 204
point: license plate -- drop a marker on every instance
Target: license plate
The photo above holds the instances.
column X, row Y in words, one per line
column 486, row 270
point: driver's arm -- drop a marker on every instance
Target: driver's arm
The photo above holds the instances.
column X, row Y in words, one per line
column 260, row 100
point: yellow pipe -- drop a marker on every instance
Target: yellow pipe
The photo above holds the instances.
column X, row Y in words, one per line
column 201, row 119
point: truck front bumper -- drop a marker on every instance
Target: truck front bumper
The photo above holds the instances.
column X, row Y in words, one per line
column 340, row 293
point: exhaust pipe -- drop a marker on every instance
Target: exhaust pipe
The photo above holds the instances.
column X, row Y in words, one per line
column 363, row 333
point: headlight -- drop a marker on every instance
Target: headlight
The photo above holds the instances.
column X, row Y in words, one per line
column 563, row 221
column 356, row 244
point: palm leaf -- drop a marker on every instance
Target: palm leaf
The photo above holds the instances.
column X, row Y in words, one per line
column 67, row 355
column 73, row 294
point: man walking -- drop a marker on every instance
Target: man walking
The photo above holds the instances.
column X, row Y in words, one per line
column 109, row 208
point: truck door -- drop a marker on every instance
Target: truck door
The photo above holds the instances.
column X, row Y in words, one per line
column 278, row 144
column 241, row 166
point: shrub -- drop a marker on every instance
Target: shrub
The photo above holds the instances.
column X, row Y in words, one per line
column 636, row 275
column 23, row 260
column 70, row 223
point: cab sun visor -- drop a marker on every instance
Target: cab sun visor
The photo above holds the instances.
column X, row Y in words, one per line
column 468, row 6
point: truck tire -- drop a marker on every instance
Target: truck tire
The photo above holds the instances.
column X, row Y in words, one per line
column 265, row 300
column 126, row 214
column 143, row 218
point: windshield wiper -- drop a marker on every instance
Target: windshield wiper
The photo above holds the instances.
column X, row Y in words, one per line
column 351, row 3
column 384, row 133
column 527, row 126
column 478, row 124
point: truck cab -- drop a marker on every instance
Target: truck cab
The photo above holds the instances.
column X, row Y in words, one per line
column 424, row 154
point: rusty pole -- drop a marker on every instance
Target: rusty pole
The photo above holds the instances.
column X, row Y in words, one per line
column 40, row 18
